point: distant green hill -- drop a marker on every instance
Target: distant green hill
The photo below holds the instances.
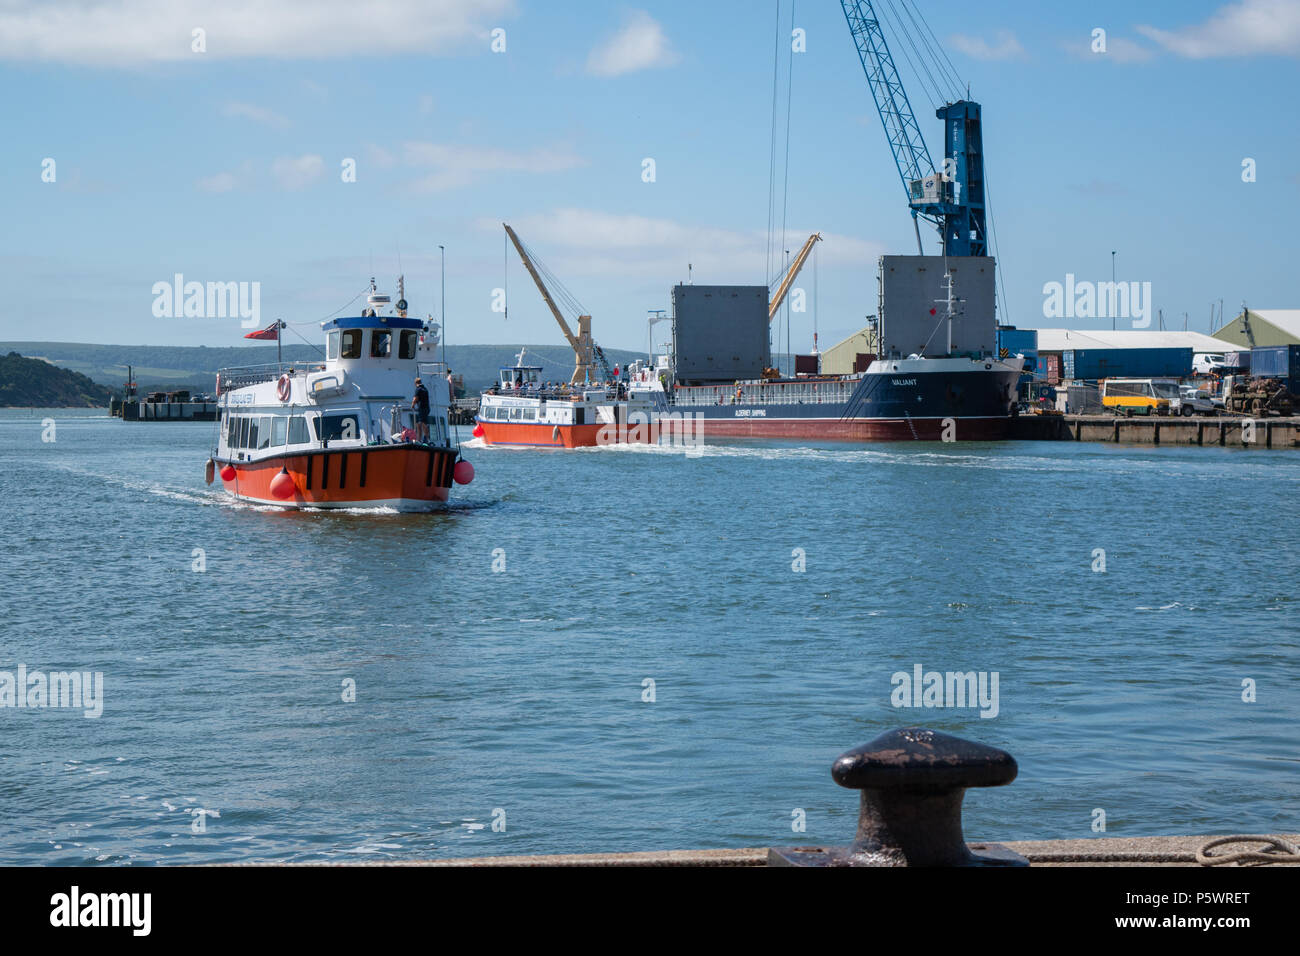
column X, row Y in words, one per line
column 33, row 383
column 166, row 367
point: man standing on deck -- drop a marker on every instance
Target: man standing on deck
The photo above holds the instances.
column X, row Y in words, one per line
column 420, row 405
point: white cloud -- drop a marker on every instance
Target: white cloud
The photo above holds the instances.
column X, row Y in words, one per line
column 220, row 183
column 589, row 242
column 1004, row 46
column 1118, row 50
column 257, row 114
column 1124, row 50
column 445, row 166
column 126, row 33
column 298, row 172
column 640, row 45
column 1248, row 27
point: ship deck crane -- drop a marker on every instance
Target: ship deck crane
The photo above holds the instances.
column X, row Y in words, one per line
column 951, row 199
column 791, row 274
column 586, row 353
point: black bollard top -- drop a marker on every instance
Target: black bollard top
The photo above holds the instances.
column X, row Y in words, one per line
column 913, row 758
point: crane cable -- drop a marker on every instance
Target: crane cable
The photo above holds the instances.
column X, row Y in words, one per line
column 771, row 171
column 933, row 92
column 950, row 71
column 785, row 186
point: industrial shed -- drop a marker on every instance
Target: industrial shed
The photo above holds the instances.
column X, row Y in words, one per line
column 1063, row 340
column 842, row 358
column 1256, row 327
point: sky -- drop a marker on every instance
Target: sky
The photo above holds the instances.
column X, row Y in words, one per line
column 136, row 149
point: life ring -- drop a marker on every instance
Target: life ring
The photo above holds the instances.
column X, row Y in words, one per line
column 284, row 387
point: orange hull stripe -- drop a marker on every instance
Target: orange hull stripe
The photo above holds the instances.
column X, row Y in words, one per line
column 414, row 474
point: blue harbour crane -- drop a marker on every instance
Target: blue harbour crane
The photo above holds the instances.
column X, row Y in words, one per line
column 952, row 198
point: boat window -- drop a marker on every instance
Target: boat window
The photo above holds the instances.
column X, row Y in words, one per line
column 409, row 343
column 351, row 344
column 232, row 430
column 297, row 430
column 332, row 345
column 264, row 432
column 337, row 428
column 381, row 343
column 250, row 434
column 515, row 413
column 530, row 414
column 243, row 433
column 279, row 431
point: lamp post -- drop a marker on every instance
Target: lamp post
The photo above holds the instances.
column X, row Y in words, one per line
column 442, row 283
column 1112, row 287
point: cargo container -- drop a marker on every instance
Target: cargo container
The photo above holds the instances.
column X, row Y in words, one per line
column 1047, row 368
column 1277, row 361
column 1236, row 362
column 1013, row 341
column 1094, row 364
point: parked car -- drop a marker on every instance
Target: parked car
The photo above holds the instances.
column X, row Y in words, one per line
column 1193, row 400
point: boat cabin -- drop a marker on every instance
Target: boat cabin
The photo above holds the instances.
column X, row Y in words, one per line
column 520, row 377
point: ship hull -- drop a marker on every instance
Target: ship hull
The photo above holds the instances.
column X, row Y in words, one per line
column 566, row 436
column 403, row 477
column 851, row 430
column 902, row 400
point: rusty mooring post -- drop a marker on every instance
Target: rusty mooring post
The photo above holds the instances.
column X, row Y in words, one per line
column 912, row 782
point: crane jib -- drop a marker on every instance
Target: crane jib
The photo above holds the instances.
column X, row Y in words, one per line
column 952, row 198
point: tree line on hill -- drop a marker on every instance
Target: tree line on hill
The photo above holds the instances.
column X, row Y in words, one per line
column 35, row 383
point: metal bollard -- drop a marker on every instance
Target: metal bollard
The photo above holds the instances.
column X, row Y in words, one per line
column 912, row 782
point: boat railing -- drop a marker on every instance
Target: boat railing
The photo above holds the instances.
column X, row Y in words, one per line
column 816, row 392
column 560, row 394
column 242, row 376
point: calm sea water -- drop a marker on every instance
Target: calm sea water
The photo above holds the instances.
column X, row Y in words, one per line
column 522, row 691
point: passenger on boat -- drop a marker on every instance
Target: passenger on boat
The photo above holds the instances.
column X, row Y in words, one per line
column 420, row 406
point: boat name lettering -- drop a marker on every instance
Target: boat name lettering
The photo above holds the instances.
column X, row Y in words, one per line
column 902, row 381
column 751, row 413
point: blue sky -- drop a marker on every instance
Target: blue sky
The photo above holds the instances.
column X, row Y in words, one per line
column 225, row 165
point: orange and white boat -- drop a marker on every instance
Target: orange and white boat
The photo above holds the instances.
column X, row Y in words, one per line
column 341, row 434
column 521, row 409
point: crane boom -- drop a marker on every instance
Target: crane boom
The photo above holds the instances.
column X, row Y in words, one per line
column 583, row 347
column 953, row 199
column 911, row 155
column 784, row 289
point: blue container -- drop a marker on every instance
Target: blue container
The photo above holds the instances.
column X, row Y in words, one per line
column 1013, row 341
column 1277, row 361
column 1094, row 364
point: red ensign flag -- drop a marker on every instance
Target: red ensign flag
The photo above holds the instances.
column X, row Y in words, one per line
column 270, row 333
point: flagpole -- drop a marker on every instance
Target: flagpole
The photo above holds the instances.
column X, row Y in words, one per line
column 278, row 326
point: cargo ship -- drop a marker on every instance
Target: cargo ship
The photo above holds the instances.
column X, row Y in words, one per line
column 958, row 391
column 899, row 399
column 341, row 433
